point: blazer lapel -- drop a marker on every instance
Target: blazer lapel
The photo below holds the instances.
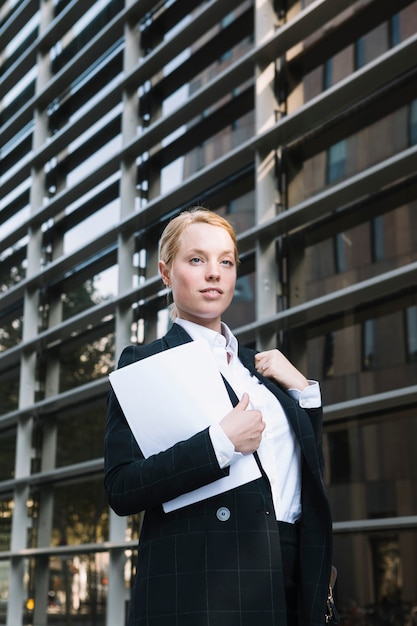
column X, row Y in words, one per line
column 176, row 336
column 247, row 358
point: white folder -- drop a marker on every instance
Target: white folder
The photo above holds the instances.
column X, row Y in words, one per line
column 169, row 397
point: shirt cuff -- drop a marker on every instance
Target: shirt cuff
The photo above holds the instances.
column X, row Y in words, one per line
column 310, row 397
column 223, row 447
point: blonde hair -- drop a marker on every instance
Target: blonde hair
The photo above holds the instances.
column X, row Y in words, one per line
column 169, row 242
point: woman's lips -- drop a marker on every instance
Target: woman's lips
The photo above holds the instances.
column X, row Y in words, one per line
column 212, row 291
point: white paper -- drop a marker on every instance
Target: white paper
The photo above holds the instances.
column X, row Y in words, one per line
column 170, row 396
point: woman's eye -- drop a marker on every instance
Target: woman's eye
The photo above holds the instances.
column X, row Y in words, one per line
column 227, row 262
column 195, row 260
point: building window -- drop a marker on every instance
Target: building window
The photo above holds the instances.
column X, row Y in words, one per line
column 336, row 168
column 336, row 162
column 359, row 53
column 412, row 123
column 328, row 356
column 411, row 333
column 394, row 30
column 377, row 238
column 340, row 464
column 340, row 261
column 243, row 290
column 328, row 74
column 226, row 21
column 387, row 569
column 368, row 345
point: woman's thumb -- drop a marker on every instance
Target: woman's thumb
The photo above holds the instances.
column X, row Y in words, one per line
column 244, row 401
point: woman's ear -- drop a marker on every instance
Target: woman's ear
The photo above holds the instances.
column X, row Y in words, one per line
column 164, row 271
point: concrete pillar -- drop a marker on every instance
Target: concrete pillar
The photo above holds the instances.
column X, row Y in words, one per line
column 118, row 593
column 28, row 382
column 266, row 193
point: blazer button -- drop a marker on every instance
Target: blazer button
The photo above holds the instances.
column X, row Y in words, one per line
column 223, row 514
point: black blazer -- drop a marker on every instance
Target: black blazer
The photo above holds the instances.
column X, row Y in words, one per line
column 217, row 561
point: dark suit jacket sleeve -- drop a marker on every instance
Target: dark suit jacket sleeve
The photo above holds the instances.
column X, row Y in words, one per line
column 316, row 419
column 133, row 483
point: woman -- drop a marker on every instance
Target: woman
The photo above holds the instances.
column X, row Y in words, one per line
column 259, row 554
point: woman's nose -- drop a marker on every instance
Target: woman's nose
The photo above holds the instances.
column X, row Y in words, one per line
column 213, row 272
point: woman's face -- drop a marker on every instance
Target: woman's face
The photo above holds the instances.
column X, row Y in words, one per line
column 203, row 274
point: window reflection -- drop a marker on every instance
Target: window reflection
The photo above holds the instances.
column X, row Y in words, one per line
column 80, row 513
column 336, row 161
column 4, row 589
column 7, row 454
column 411, row 332
column 377, row 238
column 80, row 436
column 377, row 573
column 370, row 467
column 413, row 123
column 360, row 359
column 76, row 589
column 368, row 345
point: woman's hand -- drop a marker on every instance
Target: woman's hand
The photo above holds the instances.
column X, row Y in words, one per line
column 244, row 427
column 273, row 364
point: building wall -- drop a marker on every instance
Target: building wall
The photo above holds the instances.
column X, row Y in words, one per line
column 297, row 121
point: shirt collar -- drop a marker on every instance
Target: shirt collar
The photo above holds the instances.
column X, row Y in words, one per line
column 226, row 339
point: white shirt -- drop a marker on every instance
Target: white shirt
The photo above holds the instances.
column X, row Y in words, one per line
column 279, row 451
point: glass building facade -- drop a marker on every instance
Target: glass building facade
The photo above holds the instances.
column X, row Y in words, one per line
column 297, row 121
